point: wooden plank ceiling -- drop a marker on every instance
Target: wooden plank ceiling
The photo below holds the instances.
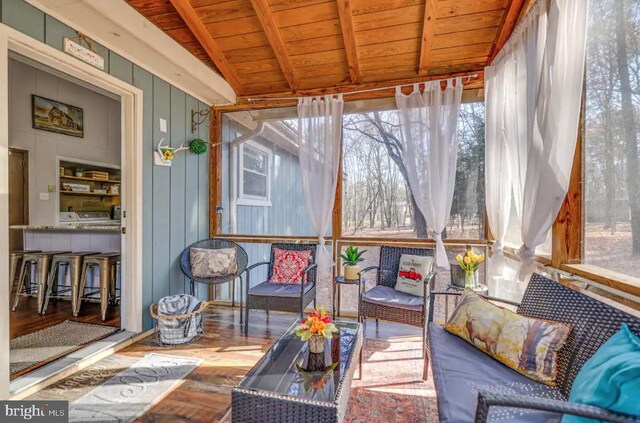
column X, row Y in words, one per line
column 284, row 47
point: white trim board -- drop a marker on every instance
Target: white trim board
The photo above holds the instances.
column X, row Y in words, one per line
column 142, row 43
column 132, row 126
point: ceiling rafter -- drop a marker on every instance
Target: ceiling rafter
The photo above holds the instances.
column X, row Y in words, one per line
column 349, row 38
column 511, row 17
column 204, row 37
column 263, row 11
column 428, row 30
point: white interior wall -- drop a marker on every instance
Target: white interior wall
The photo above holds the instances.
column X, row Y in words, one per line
column 100, row 144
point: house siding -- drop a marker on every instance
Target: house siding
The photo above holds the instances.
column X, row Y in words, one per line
column 287, row 214
column 175, row 199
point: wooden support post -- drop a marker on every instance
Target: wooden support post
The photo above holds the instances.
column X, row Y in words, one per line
column 215, row 176
column 568, row 228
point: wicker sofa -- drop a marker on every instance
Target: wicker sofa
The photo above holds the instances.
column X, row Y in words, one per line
column 471, row 386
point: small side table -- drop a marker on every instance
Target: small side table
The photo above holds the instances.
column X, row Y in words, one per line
column 338, row 282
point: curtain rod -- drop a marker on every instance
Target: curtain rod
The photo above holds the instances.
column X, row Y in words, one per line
column 468, row 77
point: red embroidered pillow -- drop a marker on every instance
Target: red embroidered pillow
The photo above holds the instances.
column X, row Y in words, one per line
column 288, row 266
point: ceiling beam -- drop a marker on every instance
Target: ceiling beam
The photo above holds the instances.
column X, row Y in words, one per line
column 512, row 13
column 263, row 11
column 428, row 29
column 190, row 17
column 349, row 38
column 473, row 79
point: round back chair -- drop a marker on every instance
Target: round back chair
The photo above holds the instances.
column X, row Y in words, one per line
column 214, row 244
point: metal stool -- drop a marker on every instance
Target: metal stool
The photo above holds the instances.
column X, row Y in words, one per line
column 42, row 261
column 15, row 257
column 106, row 265
column 71, row 262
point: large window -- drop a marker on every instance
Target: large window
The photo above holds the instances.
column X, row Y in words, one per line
column 377, row 200
column 612, row 124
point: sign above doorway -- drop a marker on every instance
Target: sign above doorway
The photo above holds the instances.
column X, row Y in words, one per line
column 80, row 52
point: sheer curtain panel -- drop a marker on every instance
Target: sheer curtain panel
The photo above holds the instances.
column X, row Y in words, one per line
column 319, row 140
column 429, row 137
column 534, row 88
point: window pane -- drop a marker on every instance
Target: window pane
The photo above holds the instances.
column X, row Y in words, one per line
column 255, row 160
column 611, row 182
column 254, row 185
column 377, row 200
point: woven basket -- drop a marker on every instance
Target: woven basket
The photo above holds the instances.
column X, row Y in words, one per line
column 178, row 329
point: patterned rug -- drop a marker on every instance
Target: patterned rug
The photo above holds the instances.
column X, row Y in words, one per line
column 28, row 350
column 392, row 389
column 126, row 396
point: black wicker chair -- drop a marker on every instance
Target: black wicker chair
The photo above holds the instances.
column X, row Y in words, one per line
column 262, row 298
column 413, row 312
column 216, row 244
column 505, row 391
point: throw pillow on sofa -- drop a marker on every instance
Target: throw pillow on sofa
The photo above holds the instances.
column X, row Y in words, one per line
column 525, row 344
column 206, row 263
column 610, row 378
column 289, row 265
column 411, row 273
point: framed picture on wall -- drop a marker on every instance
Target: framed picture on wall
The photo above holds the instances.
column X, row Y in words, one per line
column 53, row 116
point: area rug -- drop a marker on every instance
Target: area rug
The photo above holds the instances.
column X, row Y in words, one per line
column 128, row 395
column 28, row 350
column 392, row 388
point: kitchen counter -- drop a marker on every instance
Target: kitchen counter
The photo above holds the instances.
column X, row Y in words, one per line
column 65, row 228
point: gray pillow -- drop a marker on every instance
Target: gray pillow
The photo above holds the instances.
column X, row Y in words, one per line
column 207, row 263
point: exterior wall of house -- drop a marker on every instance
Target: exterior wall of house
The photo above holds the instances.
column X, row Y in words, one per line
column 286, row 215
column 175, row 199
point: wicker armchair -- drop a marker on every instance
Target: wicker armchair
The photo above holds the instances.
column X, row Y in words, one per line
column 505, row 391
column 295, row 298
column 215, row 244
column 408, row 309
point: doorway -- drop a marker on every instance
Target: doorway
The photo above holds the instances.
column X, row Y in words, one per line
column 18, row 195
column 131, row 101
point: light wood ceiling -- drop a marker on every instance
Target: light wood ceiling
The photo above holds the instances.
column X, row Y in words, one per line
column 284, row 47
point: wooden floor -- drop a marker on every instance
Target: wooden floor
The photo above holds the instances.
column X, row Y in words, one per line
column 228, row 355
column 26, row 320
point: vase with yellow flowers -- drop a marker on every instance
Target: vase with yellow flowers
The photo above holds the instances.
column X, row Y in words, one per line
column 315, row 328
column 470, row 263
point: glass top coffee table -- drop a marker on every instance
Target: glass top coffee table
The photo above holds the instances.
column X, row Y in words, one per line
column 290, row 384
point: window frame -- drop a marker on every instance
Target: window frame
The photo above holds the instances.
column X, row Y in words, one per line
column 248, row 199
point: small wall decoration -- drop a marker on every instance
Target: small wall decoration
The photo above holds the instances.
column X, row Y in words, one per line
column 53, row 116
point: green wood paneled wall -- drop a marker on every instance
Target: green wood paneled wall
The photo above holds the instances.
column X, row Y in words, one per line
column 175, row 199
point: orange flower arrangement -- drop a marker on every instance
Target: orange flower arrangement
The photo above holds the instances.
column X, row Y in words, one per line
column 316, row 323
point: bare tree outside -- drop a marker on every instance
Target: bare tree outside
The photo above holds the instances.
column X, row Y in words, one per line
column 377, row 200
column 612, row 184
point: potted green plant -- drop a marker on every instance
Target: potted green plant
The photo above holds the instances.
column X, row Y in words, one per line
column 350, row 259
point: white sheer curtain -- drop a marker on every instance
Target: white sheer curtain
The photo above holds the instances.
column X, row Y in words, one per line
column 319, row 140
column 429, row 136
column 536, row 84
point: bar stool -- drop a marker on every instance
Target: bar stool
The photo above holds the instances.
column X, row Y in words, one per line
column 72, row 263
column 42, row 261
column 106, row 265
column 15, row 257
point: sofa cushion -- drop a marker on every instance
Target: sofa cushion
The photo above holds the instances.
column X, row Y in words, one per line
column 460, row 371
column 211, row 263
column 267, row 289
column 386, row 296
